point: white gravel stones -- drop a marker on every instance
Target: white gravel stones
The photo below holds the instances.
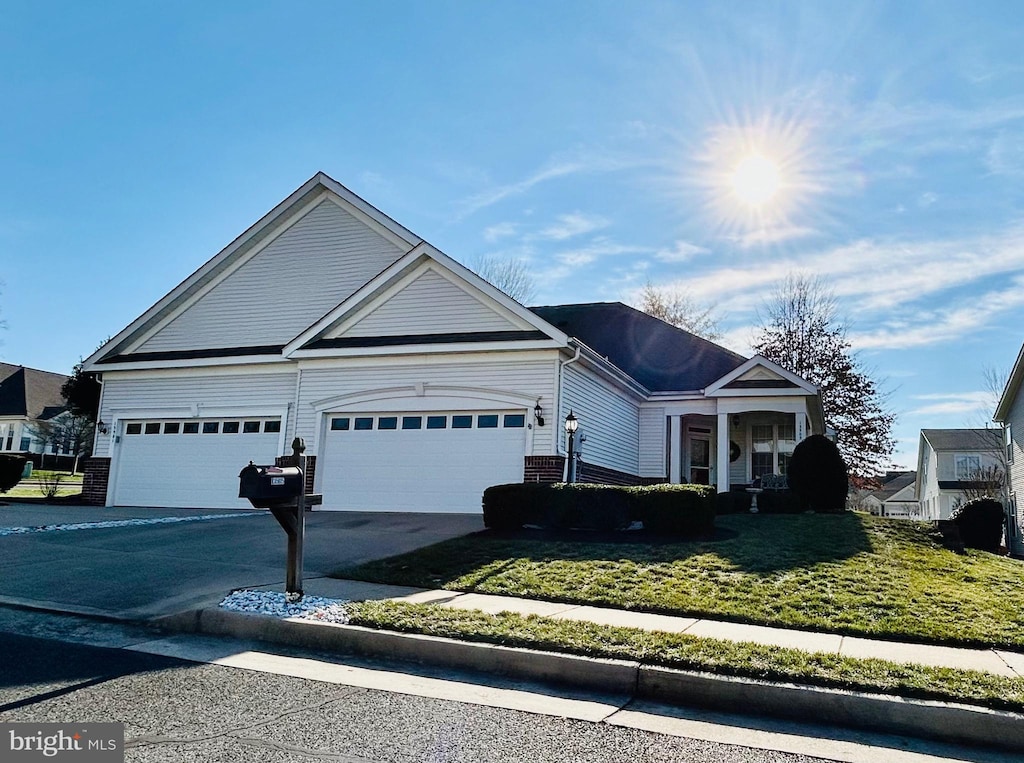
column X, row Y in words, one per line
column 122, row 523
column 275, row 604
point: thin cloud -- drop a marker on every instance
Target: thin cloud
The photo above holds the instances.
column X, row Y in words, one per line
column 573, row 224
column 681, row 251
column 774, row 235
column 952, row 403
column 494, row 195
column 497, row 232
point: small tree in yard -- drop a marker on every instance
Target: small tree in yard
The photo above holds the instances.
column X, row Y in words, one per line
column 980, row 522
column 817, row 474
column 73, row 434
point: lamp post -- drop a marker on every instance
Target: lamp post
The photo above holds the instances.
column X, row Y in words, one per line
column 571, row 425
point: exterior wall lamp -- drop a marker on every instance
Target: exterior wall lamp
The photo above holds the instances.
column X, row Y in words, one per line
column 538, row 413
column 571, row 425
column 102, row 426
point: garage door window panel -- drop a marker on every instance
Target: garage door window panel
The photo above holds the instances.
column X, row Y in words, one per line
column 133, row 429
column 340, row 425
column 462, row 422
column 437, row 422
column 412, row 422
column 387, row 422
column 172, row 427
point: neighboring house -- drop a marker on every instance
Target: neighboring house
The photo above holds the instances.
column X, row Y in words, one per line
column 952, row 463
column 1010, row 414
column 895, row 498
column 27, row 397
column 414, row 383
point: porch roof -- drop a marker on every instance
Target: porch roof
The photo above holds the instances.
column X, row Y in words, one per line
column 660, row 356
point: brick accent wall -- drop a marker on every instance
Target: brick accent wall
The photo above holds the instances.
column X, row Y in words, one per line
column 544, row 469
column 95, row 477
column 603, row 476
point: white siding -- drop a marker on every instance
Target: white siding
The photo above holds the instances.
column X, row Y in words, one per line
column 127, row 391
column 1015, row 420
column 430, row 305
column 609, row 419
column 307, row 271
column 531, row 377
column 652, row 442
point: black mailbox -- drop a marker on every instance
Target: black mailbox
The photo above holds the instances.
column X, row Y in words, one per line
column 270, row 486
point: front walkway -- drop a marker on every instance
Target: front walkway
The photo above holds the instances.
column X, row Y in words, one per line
column 997, row 661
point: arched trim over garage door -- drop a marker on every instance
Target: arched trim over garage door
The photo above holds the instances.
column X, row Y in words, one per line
column 421, row 448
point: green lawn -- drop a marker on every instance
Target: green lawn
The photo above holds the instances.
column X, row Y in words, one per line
column 849, row 573
column 693, row 653
column 70, row 484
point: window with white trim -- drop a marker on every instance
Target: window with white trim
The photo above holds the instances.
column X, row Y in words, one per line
column 771, row 449
column 1009, row 442
column 967, row 467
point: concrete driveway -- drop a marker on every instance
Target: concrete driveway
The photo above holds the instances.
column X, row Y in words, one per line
column 139, row 572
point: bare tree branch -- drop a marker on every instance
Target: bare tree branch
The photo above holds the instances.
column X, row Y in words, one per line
column 681, row 310
column 511, row 276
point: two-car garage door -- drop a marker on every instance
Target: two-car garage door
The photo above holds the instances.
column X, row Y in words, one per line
column 423, row 461
column 438, row 461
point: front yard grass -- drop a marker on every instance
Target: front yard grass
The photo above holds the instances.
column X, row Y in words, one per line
column 693, row 653
column 851, row 574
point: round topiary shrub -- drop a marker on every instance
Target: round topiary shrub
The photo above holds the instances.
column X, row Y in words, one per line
column 980, row 522
column 817, row 474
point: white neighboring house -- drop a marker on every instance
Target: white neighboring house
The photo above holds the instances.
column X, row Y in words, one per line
column 28, row 396
column 414, row 383
column 1010, row 414
column 897, row 498
column 950, row 461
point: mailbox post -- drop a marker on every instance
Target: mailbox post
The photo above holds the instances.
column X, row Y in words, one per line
column 282, row 489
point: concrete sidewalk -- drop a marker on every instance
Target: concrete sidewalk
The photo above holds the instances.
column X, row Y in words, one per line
column 996, row 661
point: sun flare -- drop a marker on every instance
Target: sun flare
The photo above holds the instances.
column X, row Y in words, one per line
column 756, row 180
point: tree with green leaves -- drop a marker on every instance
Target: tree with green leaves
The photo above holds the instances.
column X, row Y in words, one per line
column 801, row 332
column 82, row 393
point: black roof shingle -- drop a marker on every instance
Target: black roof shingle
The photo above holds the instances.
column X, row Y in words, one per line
column 29, row 392
column 660, row 356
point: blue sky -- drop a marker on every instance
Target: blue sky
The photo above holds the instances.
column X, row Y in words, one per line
column 597, row 140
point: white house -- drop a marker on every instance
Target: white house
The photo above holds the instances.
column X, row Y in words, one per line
column 950, row 461
column 414, row 383
column 27, row 398
column 896, row 498
column 1010, row 414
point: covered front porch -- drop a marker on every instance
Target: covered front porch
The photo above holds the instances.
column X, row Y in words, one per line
column 732, row 448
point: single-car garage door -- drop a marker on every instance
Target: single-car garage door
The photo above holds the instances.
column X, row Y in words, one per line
column 431, row 461
column 190, row 463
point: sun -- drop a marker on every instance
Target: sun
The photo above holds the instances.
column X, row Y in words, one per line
column 756, row 180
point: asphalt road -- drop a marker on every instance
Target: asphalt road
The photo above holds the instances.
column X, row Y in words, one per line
column 177, row 711
column 146, row 571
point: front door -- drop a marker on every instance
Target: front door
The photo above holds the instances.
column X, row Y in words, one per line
column 700, row 459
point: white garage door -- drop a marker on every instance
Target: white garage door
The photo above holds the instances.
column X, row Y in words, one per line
column 190, row 464
column 432, row 461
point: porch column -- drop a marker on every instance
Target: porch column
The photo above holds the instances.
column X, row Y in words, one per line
column 800, row 426
column 675, row 446
column 722, row 464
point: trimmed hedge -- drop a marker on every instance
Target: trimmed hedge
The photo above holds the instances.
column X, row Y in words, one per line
column 768, row 502
column 11, row 469
column 818, row 475
column 980, row 522
column 664, row 509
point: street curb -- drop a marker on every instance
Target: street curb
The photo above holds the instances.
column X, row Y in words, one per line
column 959, row 724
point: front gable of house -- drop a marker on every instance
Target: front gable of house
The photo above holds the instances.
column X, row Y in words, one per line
column 760, row 376
column 424, row 299
column 312, row 252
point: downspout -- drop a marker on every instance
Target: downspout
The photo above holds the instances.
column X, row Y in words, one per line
column 561, row 386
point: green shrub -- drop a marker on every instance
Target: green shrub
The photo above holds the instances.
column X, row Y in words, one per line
column 11, row 469
column 668, row 509
column 817, row 474
column 980, row 522
column 674, row 509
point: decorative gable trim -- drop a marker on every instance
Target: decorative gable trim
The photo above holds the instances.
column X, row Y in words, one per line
column 761, row 374
column 326, row 332
column 310, row 194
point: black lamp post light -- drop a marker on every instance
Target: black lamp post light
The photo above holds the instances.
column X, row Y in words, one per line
column 571, row 425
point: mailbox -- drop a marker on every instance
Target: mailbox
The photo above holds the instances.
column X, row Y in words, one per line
column 268, row 487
